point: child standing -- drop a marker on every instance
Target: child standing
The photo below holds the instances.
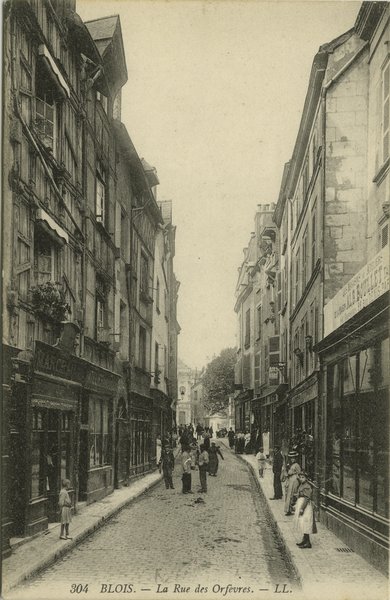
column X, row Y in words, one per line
column 203, row 462
column 261, row 461
column 304, row 512
column 65, row 505
column 167, row 464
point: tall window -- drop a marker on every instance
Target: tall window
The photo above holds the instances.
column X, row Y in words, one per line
column 305, row 259
column 313, row 238
column 100, row 307
column 297, row 275
column 38, row 456
column 100, row 205
column 66, row 422
column 247, row 328
column 144, row 283
column 156, row 365
column 99, row 432
column 46, row 257
column 23, row 266
column 26, row 71
column 142, row 348
column 158, row 295
column 70, row 142
column 259, row 324
column 385, row 112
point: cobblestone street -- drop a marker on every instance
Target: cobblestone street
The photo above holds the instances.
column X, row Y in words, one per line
column 167, row 538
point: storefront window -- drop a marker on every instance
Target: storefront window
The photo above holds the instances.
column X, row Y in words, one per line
column 381, row 467
column 358, row 428
column 99, row 433
column 38, row 479
column 66, row 420
column 52, row 450
column 334, row 417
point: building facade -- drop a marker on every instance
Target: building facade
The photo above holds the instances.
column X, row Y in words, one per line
column 329, row 401
column 184, row 407
column 78, row 261
column 354, row 351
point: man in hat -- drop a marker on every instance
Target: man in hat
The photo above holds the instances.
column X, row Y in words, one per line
column 167, row 464
column 292, row 482
column 277, row 471
column 186, row 466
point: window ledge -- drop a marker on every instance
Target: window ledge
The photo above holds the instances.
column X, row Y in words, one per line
column 382, row 172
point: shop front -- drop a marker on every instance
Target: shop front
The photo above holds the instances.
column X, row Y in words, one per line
column 355, row 362
column 96, row 468
column 303, row 404
column 242, row 404
column 46, row 390
column 141, row 414
column 161, row 419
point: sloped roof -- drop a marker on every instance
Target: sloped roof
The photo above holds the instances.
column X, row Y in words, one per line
column 102, row 29
column 107, row 35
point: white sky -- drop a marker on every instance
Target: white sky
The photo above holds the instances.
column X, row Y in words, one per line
column 213, row 101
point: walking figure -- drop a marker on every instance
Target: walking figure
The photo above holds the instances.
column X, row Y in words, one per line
column 213, row 459
column 261, row 461
column 186, row 466
column 304, row 518
column 231, row 438
column 292, row 483
column 65, row 505
column 167, row 464
column 277, row 470
column 203, row 462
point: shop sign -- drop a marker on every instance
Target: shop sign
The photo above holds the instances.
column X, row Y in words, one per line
column 53, row 403
column 304, row 395
column 366, row 286
column 101, row 380
column 53, row 361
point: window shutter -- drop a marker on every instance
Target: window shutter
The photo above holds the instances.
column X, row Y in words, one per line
column 273, row 345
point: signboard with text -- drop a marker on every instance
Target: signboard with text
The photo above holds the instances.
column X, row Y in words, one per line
column 366, row 286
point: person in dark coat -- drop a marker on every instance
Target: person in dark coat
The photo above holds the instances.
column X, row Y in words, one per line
column 231, row 438
column 206, row 440
column 167, row 464
column 213, row 459
column 277, row 470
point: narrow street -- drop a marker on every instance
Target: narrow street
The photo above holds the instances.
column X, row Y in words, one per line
column 166, row 538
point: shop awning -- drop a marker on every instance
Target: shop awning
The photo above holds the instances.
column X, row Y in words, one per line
column 54, row 71
column 52, row 228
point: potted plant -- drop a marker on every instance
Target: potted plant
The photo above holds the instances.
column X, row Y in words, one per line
column 49, row 302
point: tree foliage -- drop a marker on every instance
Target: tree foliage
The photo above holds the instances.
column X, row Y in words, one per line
column 218, row 380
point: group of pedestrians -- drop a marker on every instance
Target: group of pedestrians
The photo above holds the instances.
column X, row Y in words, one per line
column 203, row 456
column 298, row 490
column 206, row 458
column 298, row 493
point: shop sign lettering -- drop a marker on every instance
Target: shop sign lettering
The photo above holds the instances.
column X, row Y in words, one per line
column 54, row 363
column 366, row 286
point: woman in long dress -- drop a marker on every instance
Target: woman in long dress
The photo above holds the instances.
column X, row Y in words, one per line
column 213, row 459
column 304, row 519
column 292, row 483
